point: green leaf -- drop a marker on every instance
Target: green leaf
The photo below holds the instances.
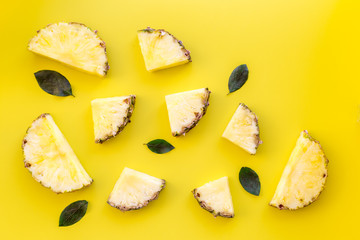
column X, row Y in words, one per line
column 73, row 213
column 238, row 78
column 53, row 83
column 159, row 146
column 250, row 180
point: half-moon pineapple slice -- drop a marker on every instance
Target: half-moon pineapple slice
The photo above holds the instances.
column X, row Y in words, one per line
column 134, row 190
column 50, row 159
column 111, row 115
column 73, row 44
column 215, row 197
column 161, row 50
column 304, row 176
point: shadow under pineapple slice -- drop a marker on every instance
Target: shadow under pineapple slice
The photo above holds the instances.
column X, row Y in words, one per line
column 134, row 190
column 185, row 109
column 161, row 50
column 243, row 129
column 304, row 176
column 111, row 115
column 50, row 159
column 73, row 44
column 215, row 197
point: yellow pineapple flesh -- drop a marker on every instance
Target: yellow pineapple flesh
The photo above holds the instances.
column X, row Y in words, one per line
column 161, row 50
column 50, row 159
column 304, row 176
column 185, row 109
column 73, row 44
column 134, row 190
column 111, row 115
column 215, row 197
column 243, row 129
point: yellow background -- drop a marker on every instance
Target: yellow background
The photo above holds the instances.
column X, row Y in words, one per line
column 303, row 58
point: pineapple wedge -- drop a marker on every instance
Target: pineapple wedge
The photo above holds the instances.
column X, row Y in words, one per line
column 215, row 197
column 304, row 176
column 134, row 190
column 161, row 50
column 185, row 109
column 50, row 159
column 243, row 129
column 73, row 44
column 111, row 115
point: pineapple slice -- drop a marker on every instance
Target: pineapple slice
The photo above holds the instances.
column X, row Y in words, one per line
column 215, row 197
column 111, row 115
column 304, row 176
column 134, row 190
column 50, row 159
column 186, row 109
column 161, row 50
column 73, row 44
column 243, row 129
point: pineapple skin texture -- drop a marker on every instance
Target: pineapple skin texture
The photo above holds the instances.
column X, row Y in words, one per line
column 197, row 118
column 100, row 71
column 161, row 32
column 228, row 131
column 124, row 207
column 28, row 165
column 207, row 207
column 279, row 201
column 125, row 122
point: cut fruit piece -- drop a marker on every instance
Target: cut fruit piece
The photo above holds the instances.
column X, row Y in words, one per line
column 304, row 176
column 111, row 115
column 215, row 197
column 243, row 129
column 161, row 50
column 185, row 109
column 50, row 159
column 73, row 44
column 134, row 190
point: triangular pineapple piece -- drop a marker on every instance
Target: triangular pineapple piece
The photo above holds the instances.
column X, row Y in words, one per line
column 161, row 50
column 215, row 197
column 304, row 176
column 111, row 115
column 50, row 159
column 243, row 129
column 185, row 109
column 134, row 190
column 73, row 44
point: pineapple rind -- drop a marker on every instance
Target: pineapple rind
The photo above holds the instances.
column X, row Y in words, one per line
column 198, row 115
column 80, row 172
column 255, row 138
column 186, row 53
column 280, row 199
column 206, row 205
column 127, row 172
column 131, row 101
column 99, row 68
